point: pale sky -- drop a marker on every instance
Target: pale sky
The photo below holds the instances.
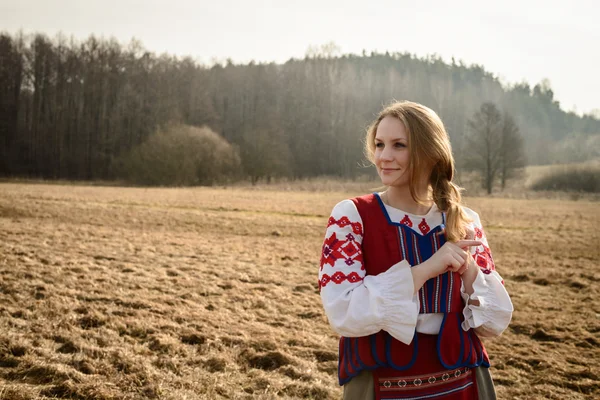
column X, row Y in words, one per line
column 526, row 40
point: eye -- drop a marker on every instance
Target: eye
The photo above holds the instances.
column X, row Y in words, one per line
column 379, row 145
column 399, row 144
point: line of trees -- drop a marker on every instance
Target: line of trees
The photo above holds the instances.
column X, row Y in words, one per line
column 71, row 109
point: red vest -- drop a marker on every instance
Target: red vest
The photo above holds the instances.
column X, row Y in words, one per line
column 384, row 244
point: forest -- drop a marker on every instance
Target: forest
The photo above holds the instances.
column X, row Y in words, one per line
column 78, row 110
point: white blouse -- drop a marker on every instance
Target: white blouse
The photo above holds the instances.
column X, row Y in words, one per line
column 357, row 304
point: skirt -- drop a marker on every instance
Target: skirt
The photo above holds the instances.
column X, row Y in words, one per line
column 426, row 379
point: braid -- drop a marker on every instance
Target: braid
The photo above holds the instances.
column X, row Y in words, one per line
column 447, row 198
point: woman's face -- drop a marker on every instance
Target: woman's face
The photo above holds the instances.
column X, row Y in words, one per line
column 392, row 157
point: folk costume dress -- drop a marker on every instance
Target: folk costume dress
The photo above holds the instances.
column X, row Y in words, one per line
column 412, row 346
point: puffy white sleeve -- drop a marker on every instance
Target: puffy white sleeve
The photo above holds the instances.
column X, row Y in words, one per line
column 494, row 312
column 357, row 304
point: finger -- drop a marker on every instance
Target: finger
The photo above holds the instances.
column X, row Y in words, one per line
column 468, row 243
column 458, row 258
column 459, row 265
column 463, row 268
column 456, row 264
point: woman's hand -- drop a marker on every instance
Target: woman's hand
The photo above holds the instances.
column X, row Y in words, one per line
column 450, row 257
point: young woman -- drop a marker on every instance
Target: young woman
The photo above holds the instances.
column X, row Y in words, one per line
column 407, row 278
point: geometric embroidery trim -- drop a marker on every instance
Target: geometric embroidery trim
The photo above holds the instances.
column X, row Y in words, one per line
column 344, row 221
column 437, row 395
column 406, row 221
column 339, row 277
column 347, row 249
column 407, row 383
column 424, row 227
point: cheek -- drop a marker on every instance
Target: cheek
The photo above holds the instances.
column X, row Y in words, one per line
column 376, row 156
column 404, row 158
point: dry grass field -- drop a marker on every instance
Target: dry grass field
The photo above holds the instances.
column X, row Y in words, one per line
column 132, row 293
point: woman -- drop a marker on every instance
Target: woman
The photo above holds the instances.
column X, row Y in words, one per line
column 407, row 278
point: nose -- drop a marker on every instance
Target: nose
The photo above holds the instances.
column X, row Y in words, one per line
column 386, row 154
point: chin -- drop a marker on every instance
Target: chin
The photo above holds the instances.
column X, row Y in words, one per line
column 394, row 182
column 388, row 180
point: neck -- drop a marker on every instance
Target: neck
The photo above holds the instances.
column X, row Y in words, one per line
column 400, row 197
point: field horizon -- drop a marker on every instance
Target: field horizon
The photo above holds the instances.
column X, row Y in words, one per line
column 111, row 292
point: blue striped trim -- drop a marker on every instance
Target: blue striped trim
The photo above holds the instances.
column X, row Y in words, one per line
column 346, row 357
column 349, row 354
column 340, row 366
column 374, row 351
column 460, row 362
column 471, row 347
column 450, row 288
column 360, row 363
column 415, row 248
column 444, row 293
column 479, row 351
column 388, row 353
column 345, row 366
column 434, row 395
column 402, row 243
column 437, row 293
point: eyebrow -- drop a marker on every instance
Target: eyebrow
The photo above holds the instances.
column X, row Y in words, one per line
column 393, row 140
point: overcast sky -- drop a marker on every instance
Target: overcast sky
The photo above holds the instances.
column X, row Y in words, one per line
column 525, row 40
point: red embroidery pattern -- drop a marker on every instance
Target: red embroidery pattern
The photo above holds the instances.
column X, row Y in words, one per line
column 484, row 259
column 339, row 277
column 406, row 221
column 344, row 221
column 424, row 227
column 478, row 233
column 348, row 250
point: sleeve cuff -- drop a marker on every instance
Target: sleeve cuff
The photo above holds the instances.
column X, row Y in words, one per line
column 399, row 305
column 494, row 312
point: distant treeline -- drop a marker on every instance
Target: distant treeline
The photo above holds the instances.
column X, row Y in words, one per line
column 70, row 109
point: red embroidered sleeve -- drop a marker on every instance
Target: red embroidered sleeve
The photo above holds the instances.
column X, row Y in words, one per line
column 482, row 254
column 341, row 255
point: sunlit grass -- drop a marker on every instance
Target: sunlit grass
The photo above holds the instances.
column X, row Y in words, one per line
column 208, row 293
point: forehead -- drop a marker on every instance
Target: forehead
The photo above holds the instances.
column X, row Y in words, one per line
column 391, row 128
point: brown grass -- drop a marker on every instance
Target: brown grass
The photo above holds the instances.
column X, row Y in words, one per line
column 116, row 293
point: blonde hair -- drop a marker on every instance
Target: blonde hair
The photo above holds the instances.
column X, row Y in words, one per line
column 430, row 150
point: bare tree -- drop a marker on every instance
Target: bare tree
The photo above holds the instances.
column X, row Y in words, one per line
column 512, row 155
column 484, row 144
column 494, row 146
